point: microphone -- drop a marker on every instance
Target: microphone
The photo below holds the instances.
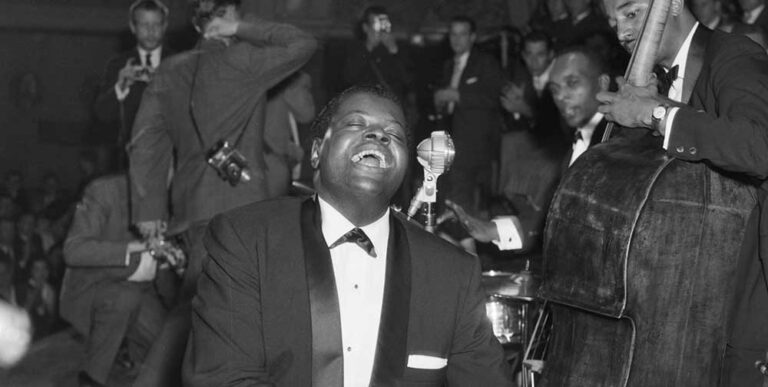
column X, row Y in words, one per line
column 436, row 155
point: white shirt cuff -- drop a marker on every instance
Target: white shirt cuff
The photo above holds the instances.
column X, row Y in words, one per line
column 668, row 125
column 509, row 235
column 120, row 93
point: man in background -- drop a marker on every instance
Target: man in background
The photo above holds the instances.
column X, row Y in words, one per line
column 107, row 293
column 127, row 74
column 203, row 113
column 472, row 83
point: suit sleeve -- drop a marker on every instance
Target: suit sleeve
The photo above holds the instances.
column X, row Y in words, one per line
column 275, row 50
column 226, row 346
column 476, row 357
column 733, row 134
column 106, row 106
column 485, row 93
column 84, row 245
column 150, row 153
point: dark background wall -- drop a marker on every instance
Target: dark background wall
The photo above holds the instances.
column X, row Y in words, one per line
column 52, row 53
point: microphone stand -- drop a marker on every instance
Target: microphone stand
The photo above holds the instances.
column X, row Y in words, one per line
column 435, row 154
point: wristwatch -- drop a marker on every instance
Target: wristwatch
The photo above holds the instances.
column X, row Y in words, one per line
column 658, row 115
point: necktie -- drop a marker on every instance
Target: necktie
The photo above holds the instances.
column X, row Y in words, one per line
column 358, row 237
column 666, row 78
column 455, row 80
column 577, row 136
column 148, row 60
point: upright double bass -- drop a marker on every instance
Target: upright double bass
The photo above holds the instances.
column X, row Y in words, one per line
column 640, row 253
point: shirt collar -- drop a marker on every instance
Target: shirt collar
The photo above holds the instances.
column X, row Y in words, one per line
column 581, row 16
column 589, row 129
column 751, row 16
column 681, row 59
column 335, row 225
column 156, row 54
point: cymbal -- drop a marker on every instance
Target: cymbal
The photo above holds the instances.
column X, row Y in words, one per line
column 519, row 286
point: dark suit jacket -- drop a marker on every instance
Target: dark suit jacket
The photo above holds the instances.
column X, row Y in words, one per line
column 95, row 248
column 597, row 137
column 476, row 121
column 106, row 107
column 197, row 98
column 726, row 126
column 266, row 311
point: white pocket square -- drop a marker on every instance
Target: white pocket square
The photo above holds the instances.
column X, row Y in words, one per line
column 425, row 362
column 471, row 80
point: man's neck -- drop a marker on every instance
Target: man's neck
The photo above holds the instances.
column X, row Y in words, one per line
column 359, row 211
column 676, row 32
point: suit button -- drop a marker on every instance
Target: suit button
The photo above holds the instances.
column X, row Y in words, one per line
column 692, row 150
column 680, row 149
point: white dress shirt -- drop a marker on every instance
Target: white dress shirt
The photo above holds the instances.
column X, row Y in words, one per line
column 360, row 287
column 154, row 56
column 750, row 17
column 582, row 142
column 540, row 81
column 676, row 90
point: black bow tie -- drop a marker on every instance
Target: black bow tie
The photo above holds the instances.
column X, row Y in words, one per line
column 666, row 78
column 358, row 237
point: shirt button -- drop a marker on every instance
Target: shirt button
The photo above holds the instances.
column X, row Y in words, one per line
column 349, row 349
column 692, row 150
column 355, row 286
column 680, row 149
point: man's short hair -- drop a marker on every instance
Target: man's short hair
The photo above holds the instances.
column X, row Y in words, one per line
column 323, row 120
column 204, row 10
column 147, row 5
column 537, row 37
column 373, row 11
column 465, row 19
column 595, row 61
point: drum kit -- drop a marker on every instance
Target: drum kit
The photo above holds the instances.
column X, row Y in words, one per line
column 518, row 318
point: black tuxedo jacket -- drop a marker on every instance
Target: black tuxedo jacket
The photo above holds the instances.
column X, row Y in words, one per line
column 597, row 137
column 106, row 108
column 267, row 311
column 726, row 126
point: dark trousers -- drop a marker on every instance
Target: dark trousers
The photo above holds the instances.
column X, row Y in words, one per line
column 748, row 341
column 125, row 310
column 162, row 367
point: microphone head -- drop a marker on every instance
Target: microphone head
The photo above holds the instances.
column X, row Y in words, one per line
column 436, row 153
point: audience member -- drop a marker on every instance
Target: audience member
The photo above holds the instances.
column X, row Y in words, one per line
column 127, row 74
column 406, row 307
column 27, row 246
column 577, row 76
column 377, row 59
column 289, row 104
column 554, row 20
column 711, row 14
column 8, row 208
column 585, row 21
column 201, row 105
column 7, row 286
column 108, row 294
column 472, row 83
column 8, row 239
column 754, row 13
column 13, row 187
column 43, row 231
column 38, row 296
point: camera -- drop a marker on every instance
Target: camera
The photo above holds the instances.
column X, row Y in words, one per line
column 381, row 23
column 230, row 164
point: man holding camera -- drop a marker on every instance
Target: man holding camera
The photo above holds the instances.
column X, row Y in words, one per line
column 203, row 114
column 126, row 75
column 107, row 292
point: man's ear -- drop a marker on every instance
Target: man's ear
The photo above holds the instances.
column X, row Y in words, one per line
column 132, row 27
column 604, row 81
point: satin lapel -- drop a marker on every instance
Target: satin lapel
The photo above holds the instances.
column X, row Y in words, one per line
column 327, row 357
column 695, row 60
column 391, row 351
column 467, row 68
column 597, row 135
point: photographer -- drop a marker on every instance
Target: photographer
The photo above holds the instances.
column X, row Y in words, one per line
column 107, row 293
column 377, row 59
column 203, row 113
column 127, row 74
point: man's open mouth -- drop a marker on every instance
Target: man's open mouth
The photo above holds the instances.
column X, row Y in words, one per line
column 370, row 158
